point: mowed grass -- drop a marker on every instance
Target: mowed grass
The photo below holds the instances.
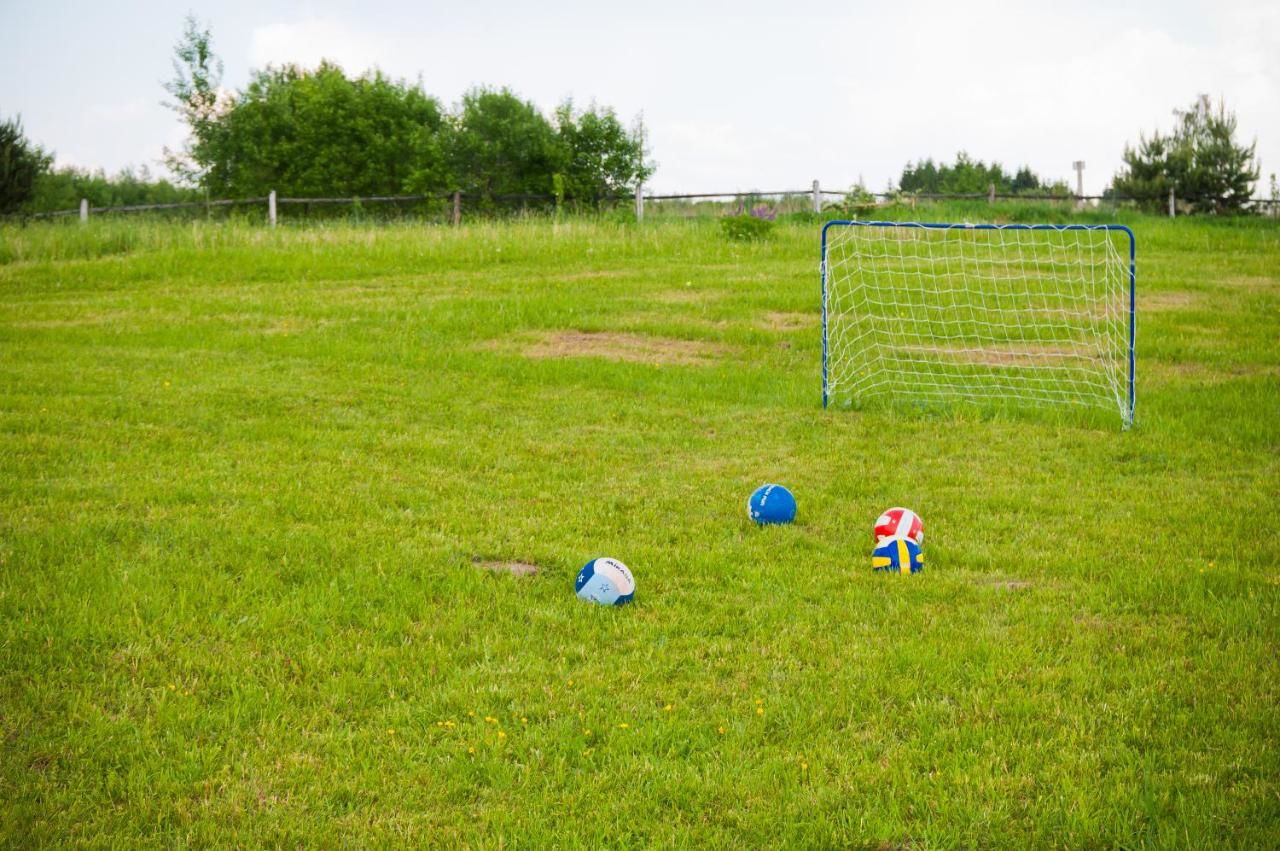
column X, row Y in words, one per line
column 248, row 479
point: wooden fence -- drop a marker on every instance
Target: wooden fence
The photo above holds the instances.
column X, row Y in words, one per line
column 812, row 197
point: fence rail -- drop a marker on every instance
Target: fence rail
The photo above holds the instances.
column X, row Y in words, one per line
column 814, row 194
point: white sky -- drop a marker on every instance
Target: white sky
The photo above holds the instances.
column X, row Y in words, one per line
column 736, row 95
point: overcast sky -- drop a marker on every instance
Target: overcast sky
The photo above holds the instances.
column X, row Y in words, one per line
column 735, row 95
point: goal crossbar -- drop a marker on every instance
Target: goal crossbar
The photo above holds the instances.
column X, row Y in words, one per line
column 1034, row 313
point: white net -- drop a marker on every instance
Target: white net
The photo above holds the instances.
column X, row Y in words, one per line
column 939, row 313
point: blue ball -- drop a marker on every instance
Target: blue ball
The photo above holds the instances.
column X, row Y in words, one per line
column 606, row 581
column 771, row 504
column 897, row 554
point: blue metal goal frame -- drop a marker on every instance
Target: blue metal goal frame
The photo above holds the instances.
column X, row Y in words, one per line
column 1127, row 415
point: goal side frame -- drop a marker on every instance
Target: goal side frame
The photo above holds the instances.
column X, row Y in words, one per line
column 1127, row 415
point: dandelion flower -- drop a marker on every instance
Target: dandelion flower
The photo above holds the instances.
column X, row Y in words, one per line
column 667, row 708
column 501, row 735
column 624, row 725
column 759, row 710
column 722, row 731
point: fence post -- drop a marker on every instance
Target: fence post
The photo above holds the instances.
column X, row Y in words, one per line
column 639, row 202
column 991, row 193
column 271, row 208
column 1173, row 209
column 84, row 209
column 817, row 198
column 457, row 207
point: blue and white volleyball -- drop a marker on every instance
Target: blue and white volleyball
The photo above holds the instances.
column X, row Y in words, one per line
column 771, row 504
column 606, row 581
column 897, row 554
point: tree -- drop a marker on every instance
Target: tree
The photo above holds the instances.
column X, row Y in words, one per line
column 21, row 164
column 1025, row 181
column 197, row 98
column 1199, row 160
column 501, row 145
column 320, row 133
column 601, row 158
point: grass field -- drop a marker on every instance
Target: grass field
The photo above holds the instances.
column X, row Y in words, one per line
column 250, row 482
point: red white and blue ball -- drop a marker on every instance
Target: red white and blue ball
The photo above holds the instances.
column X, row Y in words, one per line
column 771, row 504
column 897, row 554
column 900, row 522
column 606, row 581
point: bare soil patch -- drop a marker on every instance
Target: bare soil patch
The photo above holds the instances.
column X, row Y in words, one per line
column 632, row 348
column 1165, row 301
column 515, row 568
column 1249, row 282
column 1005, row 354
column 1205, row 373
column 776, row 320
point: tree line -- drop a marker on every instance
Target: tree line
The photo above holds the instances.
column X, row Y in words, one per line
column 1199, row 160
column 969, row 176
column 319, row 132
column 322, row 133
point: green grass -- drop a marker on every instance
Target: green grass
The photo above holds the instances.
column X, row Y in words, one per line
column 245, row 477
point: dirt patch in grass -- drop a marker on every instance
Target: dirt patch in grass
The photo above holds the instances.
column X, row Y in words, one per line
column 776, row 320
column 1005, row 354
column 632, row 348
column 1165, row 301
column 515, row 568
column 1249, row 282
column 288, row 325
column 1201, row 373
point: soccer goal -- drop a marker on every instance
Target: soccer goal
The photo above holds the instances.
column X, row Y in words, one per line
column 1035, row 314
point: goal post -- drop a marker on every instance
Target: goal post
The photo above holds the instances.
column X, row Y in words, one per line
column 1023, row 314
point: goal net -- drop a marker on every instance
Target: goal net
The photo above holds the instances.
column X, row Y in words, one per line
column 1040, row 314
